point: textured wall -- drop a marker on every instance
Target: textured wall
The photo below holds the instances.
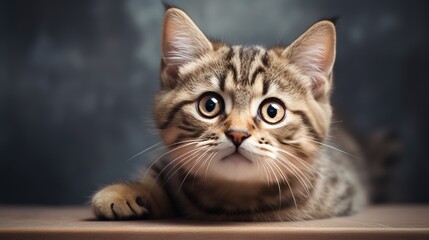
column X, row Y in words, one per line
column 77, row 79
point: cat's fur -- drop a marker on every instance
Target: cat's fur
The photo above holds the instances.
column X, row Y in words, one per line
column 290, row 170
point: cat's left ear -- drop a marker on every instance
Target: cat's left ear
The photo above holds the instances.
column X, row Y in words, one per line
column 182, row 41
column 314, row 54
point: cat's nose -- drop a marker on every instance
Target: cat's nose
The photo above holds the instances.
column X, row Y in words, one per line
column 237, row 136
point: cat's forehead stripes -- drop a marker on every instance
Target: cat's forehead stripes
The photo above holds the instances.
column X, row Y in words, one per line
column 240, row 66
column 260, row 70
column 243, row 74
column 245, row 63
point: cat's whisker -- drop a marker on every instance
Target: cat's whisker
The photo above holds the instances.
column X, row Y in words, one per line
column 208, row 166
column 266, row 171
column 295, row 169
column 284, row 178
column 317, row 172
column 172, row 150
column 271, row 179
column 258, row 160
column 145, row 150
column 257, row 165
column 160, row 148
column 290, row 188
column 190, row 170
column 332, row 147
column 201, row 167
column 278, row 184
column 200, row 159
column 287, row 161
column 168, row 146
column 179, row 161
column 186, row 160
column 160, row 157
column 299, row 175
column 185, row 155
column 305, row 163
column 300, row 160
column 176, row 161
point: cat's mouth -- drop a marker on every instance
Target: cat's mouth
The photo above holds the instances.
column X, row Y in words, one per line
column 236, row 157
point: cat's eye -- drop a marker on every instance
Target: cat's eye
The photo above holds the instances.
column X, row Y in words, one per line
column 272, row 110
column 210, row 105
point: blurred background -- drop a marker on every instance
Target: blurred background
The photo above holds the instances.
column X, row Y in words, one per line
column 77, row 80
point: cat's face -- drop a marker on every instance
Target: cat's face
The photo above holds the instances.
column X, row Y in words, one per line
column 243, row 113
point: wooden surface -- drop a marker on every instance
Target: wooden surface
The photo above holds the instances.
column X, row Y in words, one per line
column 378, row 222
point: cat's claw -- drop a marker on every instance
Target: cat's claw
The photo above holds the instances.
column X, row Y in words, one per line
column 116, row 202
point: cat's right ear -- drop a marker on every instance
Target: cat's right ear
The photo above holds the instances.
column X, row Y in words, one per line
column 182, row 41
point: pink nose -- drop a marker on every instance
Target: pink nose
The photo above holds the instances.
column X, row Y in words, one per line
column 237, row 136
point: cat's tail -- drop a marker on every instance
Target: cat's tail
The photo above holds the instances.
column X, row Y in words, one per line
column 382, row 151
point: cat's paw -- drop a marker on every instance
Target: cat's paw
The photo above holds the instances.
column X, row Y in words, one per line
column 119, row 202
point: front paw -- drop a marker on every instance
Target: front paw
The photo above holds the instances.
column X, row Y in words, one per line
column 120, row 202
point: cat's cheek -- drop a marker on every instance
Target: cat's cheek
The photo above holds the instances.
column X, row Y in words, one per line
column 170, row 135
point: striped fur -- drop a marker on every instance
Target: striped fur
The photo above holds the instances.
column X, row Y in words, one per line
column 284, row 171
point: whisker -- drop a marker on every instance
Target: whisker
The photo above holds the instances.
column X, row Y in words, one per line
column 147, row 149
column 300, row 160
column 295, row 168
column 297, row 172
column 189, row 171
column 257, row 164
column 185, row 160
column 334, row 148
column 201, row 166
column 266, row 171
column 162, row 147
column 159, row 158
column 313, row 174
column 278, row 183
column 208, row 166
column 299, row 175
column 193, row 151
column 291, row 191
column 189, row 158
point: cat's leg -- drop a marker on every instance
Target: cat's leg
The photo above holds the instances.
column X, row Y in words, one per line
column 133, row 200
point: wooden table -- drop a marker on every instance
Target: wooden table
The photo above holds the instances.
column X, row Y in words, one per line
column 377, row 222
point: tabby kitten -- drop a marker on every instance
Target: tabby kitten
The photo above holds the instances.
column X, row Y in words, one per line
column 247, row 130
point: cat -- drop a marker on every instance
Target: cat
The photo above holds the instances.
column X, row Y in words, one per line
column 248, row 132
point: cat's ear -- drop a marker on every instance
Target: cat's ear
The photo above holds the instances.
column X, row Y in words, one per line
column 182, row 41
column 314, row 54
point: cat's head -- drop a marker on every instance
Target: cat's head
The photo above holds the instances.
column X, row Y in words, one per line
column 243, row 113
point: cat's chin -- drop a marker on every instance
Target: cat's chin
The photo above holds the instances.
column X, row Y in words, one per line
column 236, row 158
column 235, row 167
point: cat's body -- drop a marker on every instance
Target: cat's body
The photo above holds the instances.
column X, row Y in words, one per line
column 247, row 129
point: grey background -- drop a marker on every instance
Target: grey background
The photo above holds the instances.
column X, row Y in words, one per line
column 77, row 80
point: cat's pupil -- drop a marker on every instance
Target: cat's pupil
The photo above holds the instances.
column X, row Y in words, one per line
column 211, row 104
column 272, row 110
